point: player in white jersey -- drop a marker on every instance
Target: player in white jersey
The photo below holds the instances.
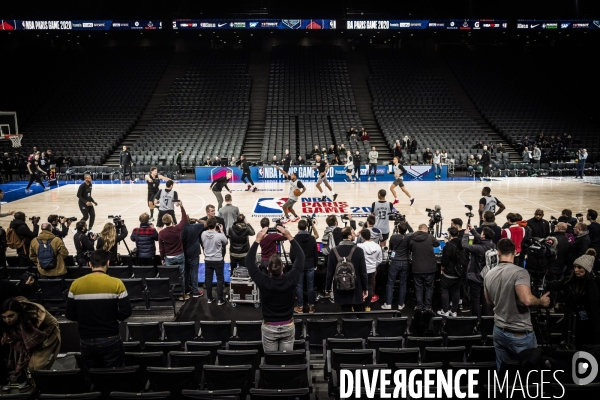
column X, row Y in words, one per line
column 349, row 166
column 398, row 170
column 296, row 190
column 489, row 203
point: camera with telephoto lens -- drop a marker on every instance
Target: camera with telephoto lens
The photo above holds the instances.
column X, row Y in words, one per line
column 470, row 213
column 435, row 214
column 277, row 223
column 72, row 219
column 32, row 219
column 117, row 220
column 397, row 217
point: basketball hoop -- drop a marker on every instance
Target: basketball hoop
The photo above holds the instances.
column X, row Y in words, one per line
column 15, row 139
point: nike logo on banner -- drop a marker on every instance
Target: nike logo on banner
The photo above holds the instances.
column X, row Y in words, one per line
column 221, row 25
column 533, row 26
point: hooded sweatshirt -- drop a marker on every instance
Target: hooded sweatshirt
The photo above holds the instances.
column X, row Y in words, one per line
column 373, row 155
column 213, row 243
column 423, row 257
column 373, row 255
column 308, row 243
column 477, row 251
column 238, row 239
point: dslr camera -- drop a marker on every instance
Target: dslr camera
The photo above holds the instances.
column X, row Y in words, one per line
column 72, row 219
column 277, row 223
column 34, row 219
column 117, row 220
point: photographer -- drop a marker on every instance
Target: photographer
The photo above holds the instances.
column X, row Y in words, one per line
column 212, row 212
column 489, row 220
column 109, row 239
column 451, row 274
column 582, row 297
column 376, row 235
column 238, row 234
column 52, row 267
column 567, row 217
column 144, row 238
column 84, row 243
column 424, row 265
column 399, row 262
column 581, row 157
column 214, row 242
column 25, row 235
column 268, row 244
column 308, row 244
column 477, row 246
column 60, row 225
column 170, row 244
column 191, row 238
column 373, row 257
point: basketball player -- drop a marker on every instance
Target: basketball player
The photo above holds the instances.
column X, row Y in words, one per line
column 125, row 162
column 245, row 167
column 153, row 181
column 398, row 170
column 287, row 160
column 217, row 185
column 166, row 200
column 349, row 165
column 322, row 167
column 381, row 209
column 33, row 166
column 86, row 202
column 489, row 203
column 296, row 189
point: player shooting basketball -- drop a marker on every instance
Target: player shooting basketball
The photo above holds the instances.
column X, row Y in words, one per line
column 296, row 189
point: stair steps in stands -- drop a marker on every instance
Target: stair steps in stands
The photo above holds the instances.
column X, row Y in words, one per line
column 259, row 72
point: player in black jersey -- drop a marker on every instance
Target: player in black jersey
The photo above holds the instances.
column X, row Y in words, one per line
column 33, row 166
column 287, row 160
column 153, row 181
column 245, row 167
column 86, row 201
column 322, row 167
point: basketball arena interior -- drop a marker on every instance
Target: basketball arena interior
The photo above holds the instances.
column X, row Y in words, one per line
column 453, row 146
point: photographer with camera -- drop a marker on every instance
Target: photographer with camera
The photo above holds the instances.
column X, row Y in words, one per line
column 84, row 243
column 582, row 155
column 451, row 274
column 144, row 238
column 376, row 235
column 48, row 253
column 60, row 225
column 170, row 245
column 424, row 266
column 86, row 202
column 489, row 220
column 308, row 244
column 477, row 246
column 19, row 236
column 239, row 244
column 268, row 244
column 566, row 217
column 581, row 297
column 508, row 291
column 108, row 240
column 489, row 203
column 399, row 263
column 214, row 242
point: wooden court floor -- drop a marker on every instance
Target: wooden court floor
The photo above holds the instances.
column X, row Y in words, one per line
column 523, row 195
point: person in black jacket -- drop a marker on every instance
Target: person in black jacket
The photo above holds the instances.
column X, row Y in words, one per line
column 309, row 246
column 84, row 243
column 178, row 157
column 582, row 241
column 109, row 238
column 277, row 293
column 540, row 228
column 349, row 300
column 190, row 236
column 356, row 159
column 60, row 226
column 86, row 201
column 450, row 278
column 481, row 244
column 287, row 160
column 567, row 217
column 126, row 163
column 145, row 237
column 239, row 244
column 424, row 266
column 399, row 262
column 245, row 167
column 486, row 162
column 217, row 185
column 20, row 227
column 489, row 220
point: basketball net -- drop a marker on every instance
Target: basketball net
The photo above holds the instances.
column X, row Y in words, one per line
column 16, row 140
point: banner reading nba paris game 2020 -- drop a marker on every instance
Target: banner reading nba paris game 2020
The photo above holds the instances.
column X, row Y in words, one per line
column 335, row 174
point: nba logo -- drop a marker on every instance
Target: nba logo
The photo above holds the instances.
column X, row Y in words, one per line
column 261, row 172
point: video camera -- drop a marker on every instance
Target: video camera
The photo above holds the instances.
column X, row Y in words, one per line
column 34, row 218
column 435, row 214
column 541, row 248
column 397, row 217
column 277, row 223
column 117, row 220
column 72, row 219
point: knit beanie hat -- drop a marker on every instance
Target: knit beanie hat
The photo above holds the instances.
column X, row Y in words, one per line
column 586, row 261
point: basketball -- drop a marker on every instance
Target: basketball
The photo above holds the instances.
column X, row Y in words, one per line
column 297, row 192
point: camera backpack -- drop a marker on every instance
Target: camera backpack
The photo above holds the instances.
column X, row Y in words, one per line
column 13, row 240
column 46, row 256
column 345, row 276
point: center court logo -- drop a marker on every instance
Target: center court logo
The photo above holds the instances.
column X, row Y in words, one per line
column 271, row 207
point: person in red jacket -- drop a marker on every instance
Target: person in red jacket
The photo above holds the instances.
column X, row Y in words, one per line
column 515, row 232
column 171, row 246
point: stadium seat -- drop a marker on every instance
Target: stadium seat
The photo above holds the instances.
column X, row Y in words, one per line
column 179, row 331
column 143, row 332
column 60, row 382
column 215, row 331
column 391, row 356
column 172, row 380
column 392, row 327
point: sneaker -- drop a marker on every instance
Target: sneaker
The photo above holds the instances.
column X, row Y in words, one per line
column 400, row 308
column 412, row 201
column 352, row 182
column 374, row 298
column 375, row 179
column 220, row 302
column 210, row 300
column 25, row 387
column 442, row 313
column 395, row 201
column 184, row 297
column 386, row 307
column 324, row 198
column 6, row 388
column 151, row 219
column 452, row 314
column 367, row 308
column 285, row 220
column 249, row 187
column 199, row 294
column 311, row 309
column 368, row 179
column 28, row 191
column 334, row 196
column 299, row 310
column 295, row 219
column 46, row 189
column 255, row 189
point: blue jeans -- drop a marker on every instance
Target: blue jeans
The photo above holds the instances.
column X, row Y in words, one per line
column 191, row 275
column 103, row 352
column 470, row 169
column 438, row 169
column 508, row 345
column 424, row 283
column 309, row 275
column 398, row 269
column 180, row 261
column 278, row 338
column 580, row 168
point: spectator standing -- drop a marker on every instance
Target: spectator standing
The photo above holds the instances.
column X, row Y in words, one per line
column 508, row 291
column 424, row 266
column 405, row 142
column 109, row 239
column 277, row 293
column 145, row 237
column 373, row 155
column 229, row 213
column 49, row 264
column 190, row 236
column 516, row 233
column 178, row 157
column 540, row 228
column 98, row 303
column 581, row 157
column 399, row 261
column 239, row 242
column 170, row 245
column 308, row 244
column 450, row 278
column 214, row 243
column 486, row 161
column 373, row 257
column 437, row 164
column 84, row 243
column 413, row 145
column 126, row 164
column 489, row 220
column 477, row 249
column 398, row 149
column 582, row 241
column 536, row 157
column 349, row 300
column 356, row 159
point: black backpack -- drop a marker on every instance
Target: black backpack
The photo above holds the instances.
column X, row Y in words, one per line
column 46, row 256
column 460, row 261
column 345, row 276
